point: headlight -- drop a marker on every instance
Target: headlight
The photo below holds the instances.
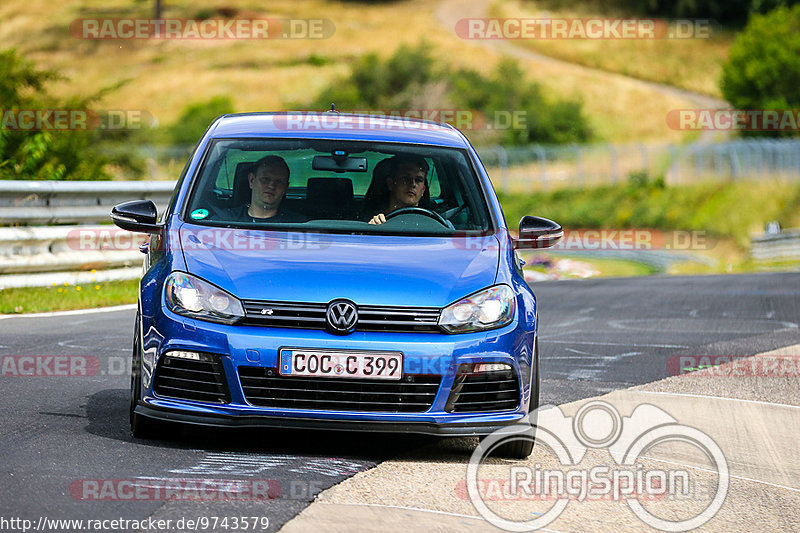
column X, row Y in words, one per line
column 490, row 308
column 190, row 296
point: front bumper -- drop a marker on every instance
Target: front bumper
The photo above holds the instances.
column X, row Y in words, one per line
column 445, row 429
column 424, row 353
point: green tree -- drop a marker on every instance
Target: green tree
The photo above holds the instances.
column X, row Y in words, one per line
column 376, row 84
column 763, row 67
column 410, row 79
column 506, row 96
column 196, row 118
column 46, row 154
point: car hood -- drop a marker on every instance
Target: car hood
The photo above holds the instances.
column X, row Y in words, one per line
column 367, row 269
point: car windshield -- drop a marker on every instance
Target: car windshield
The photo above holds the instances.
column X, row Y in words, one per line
column 338, row 186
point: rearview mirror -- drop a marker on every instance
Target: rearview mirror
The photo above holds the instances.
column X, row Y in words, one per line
column 339, row 163
column 538, row 232
column 136, row 215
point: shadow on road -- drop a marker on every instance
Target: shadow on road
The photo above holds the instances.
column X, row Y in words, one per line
column 108, row 417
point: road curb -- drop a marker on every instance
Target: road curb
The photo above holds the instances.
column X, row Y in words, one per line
column 758, row 438
column 110, row 309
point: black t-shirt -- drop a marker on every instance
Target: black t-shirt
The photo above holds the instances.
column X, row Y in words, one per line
column 240, row 214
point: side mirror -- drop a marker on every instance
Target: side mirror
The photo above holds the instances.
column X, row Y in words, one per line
column 136, row 215
column 538, row 232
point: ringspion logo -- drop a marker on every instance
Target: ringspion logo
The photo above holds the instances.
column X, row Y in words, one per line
column 630, row 441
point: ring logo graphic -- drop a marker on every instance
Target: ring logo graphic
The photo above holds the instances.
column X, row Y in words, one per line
column 629, row 441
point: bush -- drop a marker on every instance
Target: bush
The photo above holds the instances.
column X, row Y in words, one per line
column 44, row 154
column 763, row 68
column 196, row 118
column 505, row 92
column 374, row 83
column 410, row 79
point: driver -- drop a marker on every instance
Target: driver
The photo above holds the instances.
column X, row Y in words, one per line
column 407, row 184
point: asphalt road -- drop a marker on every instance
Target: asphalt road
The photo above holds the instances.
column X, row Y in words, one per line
column 66, row 452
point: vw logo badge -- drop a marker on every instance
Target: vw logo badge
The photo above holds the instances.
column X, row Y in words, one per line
column 342, row 316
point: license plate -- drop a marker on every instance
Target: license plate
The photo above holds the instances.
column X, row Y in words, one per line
column 336, row 364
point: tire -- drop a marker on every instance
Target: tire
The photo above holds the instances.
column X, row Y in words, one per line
column 521, row 448
column 141, row 426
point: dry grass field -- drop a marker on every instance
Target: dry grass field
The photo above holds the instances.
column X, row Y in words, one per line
column 163, row 76
column 691, row 64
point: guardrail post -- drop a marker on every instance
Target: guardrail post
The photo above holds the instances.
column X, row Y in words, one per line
column 542, row 156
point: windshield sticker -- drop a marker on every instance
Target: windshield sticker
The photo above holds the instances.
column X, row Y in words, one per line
column 199, row 214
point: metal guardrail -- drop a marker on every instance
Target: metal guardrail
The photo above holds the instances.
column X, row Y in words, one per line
column 776, row 246
column 536, row 167
column 59, row 248
column 25, row 203
column 31, row 253
column 35, row 254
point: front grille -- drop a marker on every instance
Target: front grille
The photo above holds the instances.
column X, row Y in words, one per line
column 312, row 316
column 483, row 391
column 187, row 379
column 265, row 388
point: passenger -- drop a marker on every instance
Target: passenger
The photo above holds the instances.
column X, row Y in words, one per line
column 269, row 181
column 406, row 185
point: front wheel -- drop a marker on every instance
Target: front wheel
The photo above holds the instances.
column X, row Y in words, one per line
column 520, row 446
column 141, row 426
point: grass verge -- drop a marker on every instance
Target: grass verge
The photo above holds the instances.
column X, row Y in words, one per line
column 605, row 268
column 721, row 210
column 66, row 297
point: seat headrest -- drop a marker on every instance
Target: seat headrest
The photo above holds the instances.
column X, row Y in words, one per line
column 241, row 187
column 331, row 191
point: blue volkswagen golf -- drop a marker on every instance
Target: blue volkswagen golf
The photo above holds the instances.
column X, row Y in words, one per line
column 334, row 271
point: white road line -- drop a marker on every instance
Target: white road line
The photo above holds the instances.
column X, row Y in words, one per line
column 125, row 307
column 647, row 324
column 578, row 351
column 570, row 322
column 404, row 508
column 716, row 472
column 552, row 341
column 714, row 397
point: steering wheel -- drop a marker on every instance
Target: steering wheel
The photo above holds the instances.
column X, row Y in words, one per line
column 418, row 211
